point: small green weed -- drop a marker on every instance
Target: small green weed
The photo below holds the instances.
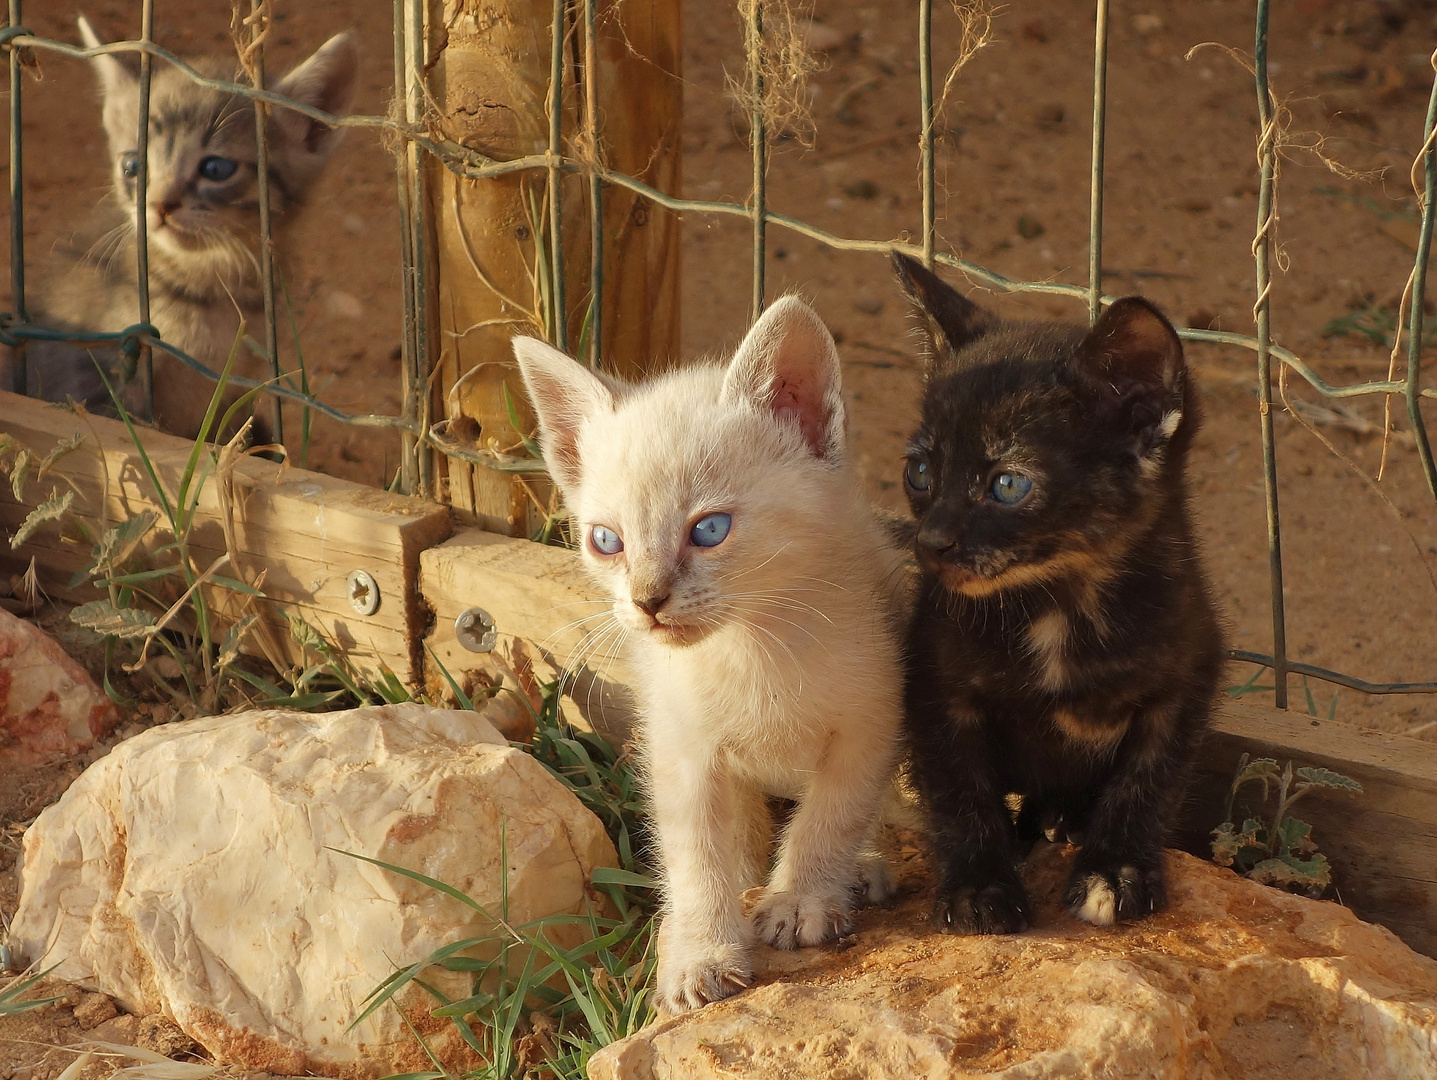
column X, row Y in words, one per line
column 1278, row 851
column 1252, row 686
column 1374, row 322
column 160, row 597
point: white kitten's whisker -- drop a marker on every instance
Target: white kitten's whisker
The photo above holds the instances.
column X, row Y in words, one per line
column 821, row 581
column 761, row 614
column 554, row 634
column 781, row 600
column 735, row 574
column 797, row 690
column 589, row 644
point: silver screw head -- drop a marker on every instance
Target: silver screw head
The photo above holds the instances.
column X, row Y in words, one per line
column 363, row 592
column 475, row 630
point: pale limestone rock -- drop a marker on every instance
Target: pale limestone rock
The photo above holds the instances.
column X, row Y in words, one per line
column 50, row 708
column 189, row 873
column 1235, row 980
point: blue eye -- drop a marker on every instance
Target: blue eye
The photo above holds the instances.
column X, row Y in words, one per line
column 130, row 165
column 605, row 541
column 711, row 530
column 217, row 169
column 1010, row 488
column 917, row 475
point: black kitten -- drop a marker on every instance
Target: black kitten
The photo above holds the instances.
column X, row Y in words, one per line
column 1065, row 646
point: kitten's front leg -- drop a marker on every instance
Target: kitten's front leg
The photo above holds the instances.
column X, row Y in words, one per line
column 810, row 896
column 1118, row 874
column 705, row 943
column 970, row 830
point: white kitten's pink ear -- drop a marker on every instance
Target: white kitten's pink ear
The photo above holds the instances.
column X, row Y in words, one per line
column 117, row 70
column 788, row 365
column 326, row 81
column 564, row 394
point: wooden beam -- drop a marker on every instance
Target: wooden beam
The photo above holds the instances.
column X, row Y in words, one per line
column 1382, row 843
column 539, row 595
column 304, row 530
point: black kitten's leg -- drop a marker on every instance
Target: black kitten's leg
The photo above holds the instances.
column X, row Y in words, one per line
column 1118, row 874
column 969, row 825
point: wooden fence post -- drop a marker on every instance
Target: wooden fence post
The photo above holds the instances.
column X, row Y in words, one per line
column 489, row 83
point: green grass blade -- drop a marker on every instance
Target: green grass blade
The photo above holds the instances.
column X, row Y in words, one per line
column 433, row 883
column 149, row 465
column 607, row 875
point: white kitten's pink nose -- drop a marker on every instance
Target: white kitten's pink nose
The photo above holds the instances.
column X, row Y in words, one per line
column 650, row 605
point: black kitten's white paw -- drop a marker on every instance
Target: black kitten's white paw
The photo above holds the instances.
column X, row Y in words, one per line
column 1000, row 907
column 1103, row 896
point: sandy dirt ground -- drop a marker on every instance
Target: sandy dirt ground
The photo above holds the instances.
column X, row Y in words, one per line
column 1013, row 163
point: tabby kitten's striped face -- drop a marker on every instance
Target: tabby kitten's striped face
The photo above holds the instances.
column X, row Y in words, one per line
column 202, row 210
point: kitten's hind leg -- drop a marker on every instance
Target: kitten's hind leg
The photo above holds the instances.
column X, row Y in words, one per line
column 874, row 882
column 1058, row 819
column 809, row 899
column 873, row 878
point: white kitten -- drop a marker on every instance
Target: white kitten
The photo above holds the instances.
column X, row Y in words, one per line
column 759, row 600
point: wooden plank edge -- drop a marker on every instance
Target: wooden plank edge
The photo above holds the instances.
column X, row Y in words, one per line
column 271, row 500
column 532, row 591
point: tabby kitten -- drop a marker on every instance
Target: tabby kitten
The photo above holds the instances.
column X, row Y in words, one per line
column 756, row 595
column 203, row 225
column 1064, row 645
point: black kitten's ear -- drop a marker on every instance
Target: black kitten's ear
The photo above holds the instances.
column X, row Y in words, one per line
column 950, row 320
column 1135, row 360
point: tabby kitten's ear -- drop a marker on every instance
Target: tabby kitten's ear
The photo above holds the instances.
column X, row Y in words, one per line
column 1133, row 360
column 788, row 365
column 117, row 70
column 950, row 320
column 564, row 394
column 325, row 81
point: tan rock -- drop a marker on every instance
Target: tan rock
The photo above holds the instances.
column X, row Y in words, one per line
column 1235, row 980
column 197, row 871
column 161, row 1035
column 94, row 1009
column 50, row 708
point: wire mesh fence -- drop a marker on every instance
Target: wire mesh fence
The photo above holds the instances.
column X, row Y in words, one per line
column 427, row 441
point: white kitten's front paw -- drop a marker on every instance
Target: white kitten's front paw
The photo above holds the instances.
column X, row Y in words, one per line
column 790, row 920
column 692, row 974
column 874, row 883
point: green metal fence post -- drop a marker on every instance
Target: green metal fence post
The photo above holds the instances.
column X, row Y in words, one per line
column 558, row 303
column 1261, row 246
column 17, row 207
column 266, row 245
column 758, row 143
column 925, row 98
column 142, row 230
column 1100, row 123
column 596, row 191
column 1419, row 290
